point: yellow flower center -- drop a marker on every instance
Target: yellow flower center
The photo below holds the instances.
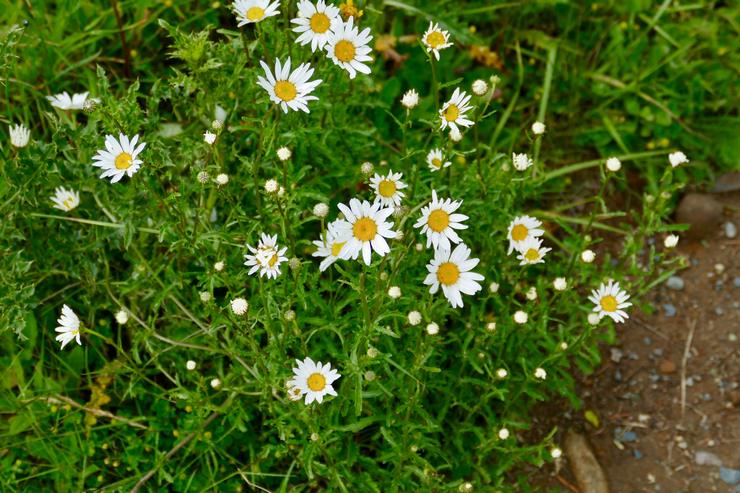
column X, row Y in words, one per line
column 273, row 260
column 285, row 90
column 316, row 382
column 69, row 202
column 344, row 51
column 365, row 229
column 386, row 188
column 532, row 255
column 438, row 220
column 451, row 113
column 319, row 23
column 336, row 248
column 255, row 13
column 123, row 161
column 519, row 232
column 437, row 163
column 448, row 273
column 608, row 303
column 435, row 39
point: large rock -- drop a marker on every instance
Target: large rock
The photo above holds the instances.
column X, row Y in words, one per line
column 702, row 212
column 589, row 475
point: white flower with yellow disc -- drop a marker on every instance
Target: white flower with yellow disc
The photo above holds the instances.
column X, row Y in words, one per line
column 65, row 200
column 251, row 11
column 521, row 228
column 119, row 158
column 610, row 301
column 439, row 222
column 531, row 252
column 349, row 48
column 388, row 188
column 436, row 39
column 329, row 247
column 451, row 271
column 314, row 22
column 453, row 112
column 436, row 160
column 313, row 380
column 289, row 89
column 266, row 258
column 364, row 230
column 69, row 327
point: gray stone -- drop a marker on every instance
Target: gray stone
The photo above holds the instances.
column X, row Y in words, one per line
column 729, row 476
column 737, row 282
column 669, row 309
column 719, row 311
column 616, row 355
column 730, row 230
column 622, row 435
column 675, row 283
column 704, row 458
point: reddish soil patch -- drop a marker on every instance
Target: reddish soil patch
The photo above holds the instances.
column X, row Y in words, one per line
column 667, row 396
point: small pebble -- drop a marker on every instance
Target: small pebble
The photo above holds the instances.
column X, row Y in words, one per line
column 729, row 476
column 719, row 311
column 706, row 397
column 647, row 341
column 703, row 458
column 732, row 338
column 719, row 268
column 616, row 355
column 736, row 282
column 624, row 435
column 658, row 351
column 730, row 230
column 618, row 376
column 637, row 454
column 718, row 285
column 675, row 283
column 670, row 310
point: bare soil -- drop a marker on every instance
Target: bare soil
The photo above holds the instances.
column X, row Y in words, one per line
column 667, row 396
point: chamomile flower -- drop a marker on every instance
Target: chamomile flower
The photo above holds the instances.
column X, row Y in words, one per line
column 538, row 128
column 364, row 230
column 670, row 241
column 439, row 222
column 65, row 200
column 410, row 99
column 119, row 158
column 436, row 160
column 677, row 158
column 329, row 247
column 266, row 258
column 521, row 161
column 610, row 301
column 320, row 210
column 64, row 101
column 436, row 39
column 251, row 11
column 209, row 137
column 453, row 112
column 522, row 228
column 69, row 327
column 451, row 271
column 531, row 252
column 388, row 188
column 314, row 380
column 349, row 48
column 19, row 135
column 314, row 22
column 289, row 89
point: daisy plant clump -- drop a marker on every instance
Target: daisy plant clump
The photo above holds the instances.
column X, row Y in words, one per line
column 330, row 251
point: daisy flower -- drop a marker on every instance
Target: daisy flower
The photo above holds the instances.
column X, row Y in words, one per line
column 436, row 39
column 65, row 200
column 453, row 112
column 521, row 161
column 439, row 222
column 364, row 230
column 531, row 251
column 251, row 11
column 610, row 301
column 64, row 101
column 348, row 47
column 677, row 158
column 387, row 188
column 436, row 160
column 313, row 380
column 314, row 22
column 119, row 158
column 69, row 327
column 19, row 135
column 451, row 270
column 329, row 247
column 410, row 99
column 522, row 228
column 266, row 258
column 289, row 90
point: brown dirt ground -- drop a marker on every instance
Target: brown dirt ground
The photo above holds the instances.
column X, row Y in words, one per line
column 641, row 392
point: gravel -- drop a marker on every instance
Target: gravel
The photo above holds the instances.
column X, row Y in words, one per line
column 675, row 283
column 669, row 309
column 730, row 230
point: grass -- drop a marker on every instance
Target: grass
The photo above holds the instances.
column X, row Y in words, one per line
column 414, row 412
